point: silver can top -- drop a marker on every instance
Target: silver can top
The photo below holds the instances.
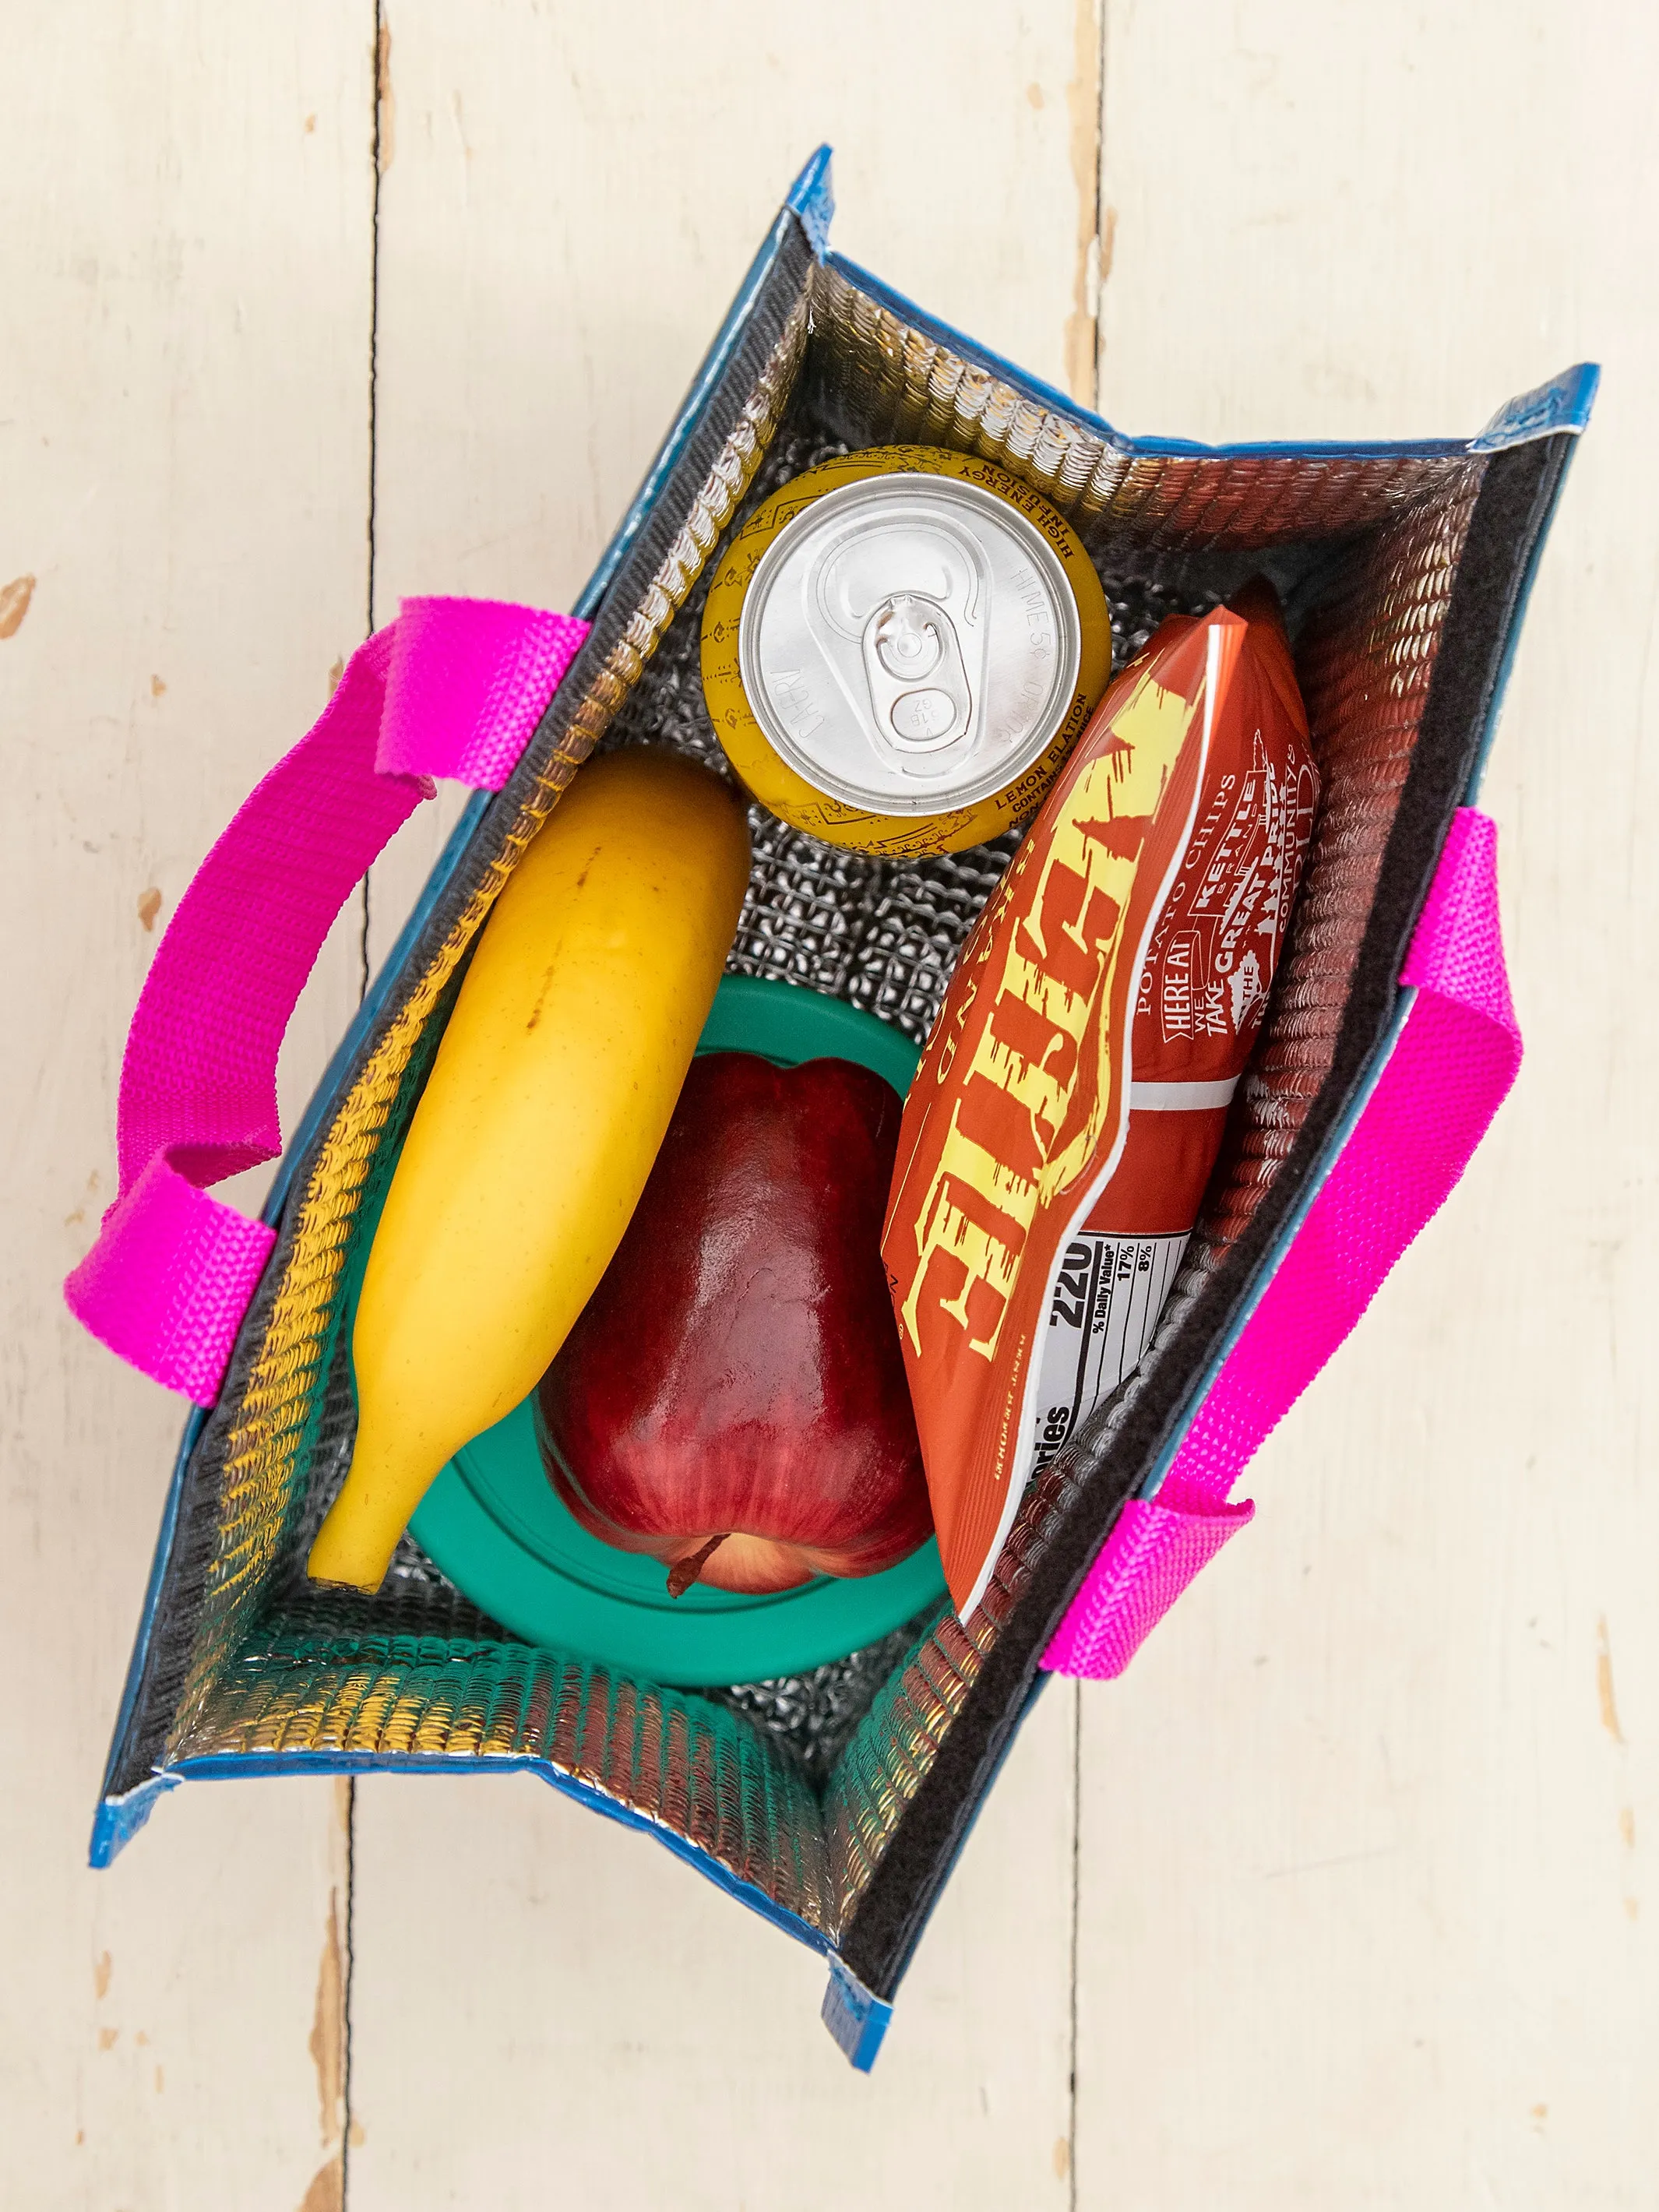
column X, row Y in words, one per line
column 909, row 644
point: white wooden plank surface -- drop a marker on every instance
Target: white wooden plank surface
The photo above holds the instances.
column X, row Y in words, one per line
column 1366, row 1832
column 571, row 198
column 185, row 258
column 1368, row 1828
column 548, row 2008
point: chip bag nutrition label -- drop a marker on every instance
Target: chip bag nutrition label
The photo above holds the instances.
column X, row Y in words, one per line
column 1107, row 1297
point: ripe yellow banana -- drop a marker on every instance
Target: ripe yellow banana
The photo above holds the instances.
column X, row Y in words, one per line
column 548, row 1100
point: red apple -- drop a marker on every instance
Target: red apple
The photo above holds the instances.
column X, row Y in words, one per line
column 733, row 1399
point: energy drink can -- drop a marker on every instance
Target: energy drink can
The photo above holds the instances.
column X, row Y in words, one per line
column 899, row 648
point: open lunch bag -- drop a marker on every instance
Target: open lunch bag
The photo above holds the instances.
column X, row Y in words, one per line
column 832, row 1798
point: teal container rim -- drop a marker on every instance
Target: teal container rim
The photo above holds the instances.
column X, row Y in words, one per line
column 495, row 1526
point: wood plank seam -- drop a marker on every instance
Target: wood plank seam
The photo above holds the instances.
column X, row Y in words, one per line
column 380, row 96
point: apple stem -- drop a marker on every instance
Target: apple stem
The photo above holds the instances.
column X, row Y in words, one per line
column 684, row 1572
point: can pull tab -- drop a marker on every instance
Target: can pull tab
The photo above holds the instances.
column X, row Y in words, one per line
column 918, row 681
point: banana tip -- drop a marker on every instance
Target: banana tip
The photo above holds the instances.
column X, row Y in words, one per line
column 338, row 1574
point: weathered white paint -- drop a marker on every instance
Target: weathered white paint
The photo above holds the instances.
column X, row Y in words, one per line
column 1367, row 1907
column 583, row 2013
column 1364, row 1913
column 184, row 253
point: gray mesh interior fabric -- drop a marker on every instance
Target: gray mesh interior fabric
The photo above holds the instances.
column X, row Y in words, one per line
column 798, row 1787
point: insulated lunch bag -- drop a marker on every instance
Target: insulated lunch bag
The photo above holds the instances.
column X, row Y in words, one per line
column 832, row 1799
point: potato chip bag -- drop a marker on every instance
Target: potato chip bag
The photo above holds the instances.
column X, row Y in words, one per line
column 1062, row 1126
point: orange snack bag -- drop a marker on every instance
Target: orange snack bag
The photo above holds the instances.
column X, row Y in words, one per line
column 1069, row 1110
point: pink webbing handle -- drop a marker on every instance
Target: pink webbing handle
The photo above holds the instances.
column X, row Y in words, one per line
column 1448, row 1073
column 454, row 688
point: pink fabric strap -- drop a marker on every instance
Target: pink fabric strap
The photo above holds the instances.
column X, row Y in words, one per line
column 1456, row 1059
column 454, row 688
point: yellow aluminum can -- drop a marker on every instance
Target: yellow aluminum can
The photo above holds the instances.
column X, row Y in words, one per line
column 899, row 649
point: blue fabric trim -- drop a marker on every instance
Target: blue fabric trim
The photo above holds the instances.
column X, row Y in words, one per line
column 118, row 1820
column 1584, row 398
column 237, row 1765
column 812, row 197
column 727, row 340
column 194, row 1423
column 1062, row 403
column 1563, row 404
column 1040, row 1683
column 855, row 2015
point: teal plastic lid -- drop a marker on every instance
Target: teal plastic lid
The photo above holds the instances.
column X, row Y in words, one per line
column 494, row 1523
